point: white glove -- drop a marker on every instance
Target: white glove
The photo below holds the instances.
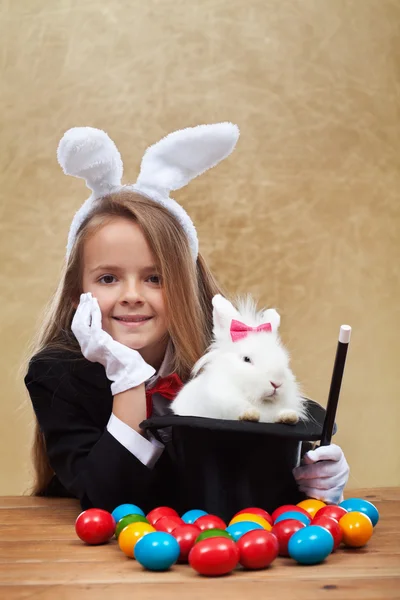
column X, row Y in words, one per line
column 124, row 367
column 323, row 474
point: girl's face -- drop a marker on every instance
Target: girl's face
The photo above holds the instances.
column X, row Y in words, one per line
column 118, row 269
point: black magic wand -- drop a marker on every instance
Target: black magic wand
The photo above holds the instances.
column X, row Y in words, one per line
column 336, row 382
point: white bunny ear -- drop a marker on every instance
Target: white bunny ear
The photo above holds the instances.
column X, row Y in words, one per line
column 272, row 316
column 223, row 313
column 178, row 158
column 183, row 155
column 89, row 153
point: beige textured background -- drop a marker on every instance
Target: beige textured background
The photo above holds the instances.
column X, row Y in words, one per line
column 305, row 213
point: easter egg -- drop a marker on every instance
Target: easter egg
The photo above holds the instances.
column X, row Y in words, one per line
column 95, row 526
column 214, row 556
column 256, row 511
column 190, row 516
column 311, row 505
column 287, row 508
column 210, row 522
column 127, row 520
column 332, row 526
column 332, row 510
column 357, row 529
column 157, row 551
column 311, row 545
column 207, row 533
column 283, row 531
column 293, row 514
column 236, row 530
column 126, row 509
column 251, row 517
column 168, row 524
column 131, row 534
column 257, row 549
column 186, row 536
column 161, row 511
column 362, row 506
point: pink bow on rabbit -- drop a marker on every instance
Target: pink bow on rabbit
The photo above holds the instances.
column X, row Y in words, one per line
column 240, row 330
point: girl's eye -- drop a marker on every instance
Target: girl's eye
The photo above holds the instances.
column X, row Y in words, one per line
column 156, row 279
column 247, row 359
column 106, row 277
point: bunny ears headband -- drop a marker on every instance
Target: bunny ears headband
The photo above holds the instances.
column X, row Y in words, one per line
column 168, row 165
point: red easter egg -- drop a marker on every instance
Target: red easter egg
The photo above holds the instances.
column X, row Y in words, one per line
column 256, row 511
column 210, row 522
column 332, row 510
column 167, row 524
column 186, row 536
column 95, row 526
column 287, row 508
column 284, row 531
column 257, row 549
column 161, row 511
column 332, row 526
column 214, row 556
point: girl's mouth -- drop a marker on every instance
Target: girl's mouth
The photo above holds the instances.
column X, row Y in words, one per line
column 132, row 321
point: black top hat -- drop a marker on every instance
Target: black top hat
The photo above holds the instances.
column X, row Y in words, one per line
column 225, row 466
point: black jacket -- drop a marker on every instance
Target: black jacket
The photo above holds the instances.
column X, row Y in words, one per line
column 218, row 466
column 72, row 401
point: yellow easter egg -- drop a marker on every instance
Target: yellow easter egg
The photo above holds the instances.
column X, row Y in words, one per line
column 311, row 505
column 131, row 534
column 253, row 519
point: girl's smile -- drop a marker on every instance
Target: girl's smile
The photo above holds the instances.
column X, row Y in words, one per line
column 132, row 320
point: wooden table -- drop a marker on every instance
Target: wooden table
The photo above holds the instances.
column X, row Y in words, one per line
column 41, row 558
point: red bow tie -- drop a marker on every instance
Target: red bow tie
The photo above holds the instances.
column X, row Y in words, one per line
column 239, row 330
column 168, row 387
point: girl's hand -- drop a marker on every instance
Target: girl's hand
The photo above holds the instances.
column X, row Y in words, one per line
column 124, row 367
column 323, row 474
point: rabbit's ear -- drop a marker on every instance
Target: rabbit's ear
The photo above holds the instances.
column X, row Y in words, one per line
column 223, row 313
column 272, row 316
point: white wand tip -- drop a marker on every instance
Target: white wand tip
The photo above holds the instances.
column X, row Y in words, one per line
column 344, row 334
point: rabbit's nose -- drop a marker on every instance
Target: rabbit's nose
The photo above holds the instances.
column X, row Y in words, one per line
column 275, row 385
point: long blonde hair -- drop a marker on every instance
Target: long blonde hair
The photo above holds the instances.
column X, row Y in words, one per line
column 188, row 290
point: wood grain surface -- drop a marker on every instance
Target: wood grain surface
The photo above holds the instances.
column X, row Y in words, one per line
column 41, row 558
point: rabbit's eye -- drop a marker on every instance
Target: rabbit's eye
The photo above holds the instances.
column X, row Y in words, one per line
column 247, row 359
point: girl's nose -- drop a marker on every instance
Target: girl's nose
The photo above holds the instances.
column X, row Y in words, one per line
column 131, row 293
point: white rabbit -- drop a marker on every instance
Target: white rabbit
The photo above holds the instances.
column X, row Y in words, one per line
column 245, row 374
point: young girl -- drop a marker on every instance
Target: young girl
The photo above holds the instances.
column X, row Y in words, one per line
column 130, row 317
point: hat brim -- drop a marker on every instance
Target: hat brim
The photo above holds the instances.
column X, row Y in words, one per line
column 304, row 430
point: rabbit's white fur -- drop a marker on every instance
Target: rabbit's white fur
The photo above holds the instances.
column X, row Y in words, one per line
column 225, row 386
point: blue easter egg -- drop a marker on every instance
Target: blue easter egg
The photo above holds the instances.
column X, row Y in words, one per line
column 363, row 506
column 236, row 530
column 157, row 551
column 191, row 515
column 126, row 509
column 311, row 545
column 294, row 514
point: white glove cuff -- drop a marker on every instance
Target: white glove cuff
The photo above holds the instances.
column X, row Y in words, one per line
column 131, row 378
